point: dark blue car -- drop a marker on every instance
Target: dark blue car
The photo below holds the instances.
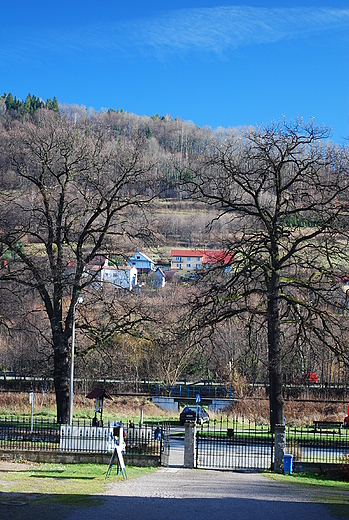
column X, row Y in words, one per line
column 194, row 414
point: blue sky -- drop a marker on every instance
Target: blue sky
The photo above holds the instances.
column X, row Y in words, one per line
column 216, row 63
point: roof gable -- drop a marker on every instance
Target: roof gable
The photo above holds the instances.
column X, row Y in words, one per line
column 143, row 257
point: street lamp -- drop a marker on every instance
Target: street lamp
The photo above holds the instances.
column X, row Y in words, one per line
column 79, row 300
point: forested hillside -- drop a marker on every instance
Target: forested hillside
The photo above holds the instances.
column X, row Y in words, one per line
column 13, row 107
column 77, row 186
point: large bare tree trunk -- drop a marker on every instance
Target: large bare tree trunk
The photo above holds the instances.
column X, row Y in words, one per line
column 61, row 382
column 61, row 369
column 274, row 357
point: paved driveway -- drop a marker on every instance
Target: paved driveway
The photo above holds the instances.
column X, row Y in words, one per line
column 184, row 494
column 177, row 493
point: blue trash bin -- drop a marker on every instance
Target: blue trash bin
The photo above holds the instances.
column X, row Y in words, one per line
column 288, row 463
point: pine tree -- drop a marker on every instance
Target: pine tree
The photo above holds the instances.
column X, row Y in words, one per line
column 9, row 101
column 28, row 104
column 55, row 106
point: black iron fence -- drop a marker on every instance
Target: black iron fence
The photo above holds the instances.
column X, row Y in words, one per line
column 235, row 444
column 147, row 440
column 21, row 433
column 328, row 443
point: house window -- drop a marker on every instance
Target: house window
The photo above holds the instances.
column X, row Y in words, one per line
column 188, row 265
column 138, row 257
column 197, row 266
column 178, row 258
column 179, row 266
column 198, row 258
column 188, row 258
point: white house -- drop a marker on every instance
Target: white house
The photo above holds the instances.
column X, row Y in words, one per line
column 142, row 262
column 124, row 277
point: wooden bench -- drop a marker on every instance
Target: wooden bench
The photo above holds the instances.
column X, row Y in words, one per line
column 327, row 425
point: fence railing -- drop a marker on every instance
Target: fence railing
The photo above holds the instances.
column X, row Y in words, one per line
column 146, row 440
column 19, row 433
column 307, row 444
column 235, row 444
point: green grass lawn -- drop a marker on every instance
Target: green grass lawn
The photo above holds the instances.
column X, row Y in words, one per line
column 63, row 479
column 333, row 492
column 52, row 490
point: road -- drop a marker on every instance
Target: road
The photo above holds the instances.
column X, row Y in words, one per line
column 176, row 452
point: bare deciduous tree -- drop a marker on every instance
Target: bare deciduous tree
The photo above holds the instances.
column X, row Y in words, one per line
column 284, row 189
column 68, row 189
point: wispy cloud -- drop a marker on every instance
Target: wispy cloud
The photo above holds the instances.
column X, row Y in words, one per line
column 202, row 30
column 221, row 28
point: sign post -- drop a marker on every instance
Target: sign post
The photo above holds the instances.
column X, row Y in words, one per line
column 117, row 455
column 31, row 401
column 198, row 401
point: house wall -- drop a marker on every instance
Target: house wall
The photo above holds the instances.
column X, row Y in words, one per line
column 189, row 261
column 186, row 264
column 125, row 278
column 159, row 280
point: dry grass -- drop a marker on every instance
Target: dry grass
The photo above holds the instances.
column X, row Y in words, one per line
column 125, row 408
column 17, row 403
column 121, row 408
column 296, row 412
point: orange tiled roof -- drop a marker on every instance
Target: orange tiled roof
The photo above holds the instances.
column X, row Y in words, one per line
column 208, row 256
column 218, row 256
column 187, row 252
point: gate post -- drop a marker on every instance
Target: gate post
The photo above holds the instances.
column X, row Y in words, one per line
column 189, row 445
column 279, row 448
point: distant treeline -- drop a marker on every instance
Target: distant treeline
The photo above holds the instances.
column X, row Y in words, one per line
column 29, row 105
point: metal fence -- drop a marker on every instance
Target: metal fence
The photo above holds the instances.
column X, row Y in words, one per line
column 327, row 445
column 147, row 440
column 188, row 391
column 235, row 444
column 20, row 433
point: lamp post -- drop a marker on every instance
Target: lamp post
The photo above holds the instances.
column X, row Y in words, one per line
column 79, row 300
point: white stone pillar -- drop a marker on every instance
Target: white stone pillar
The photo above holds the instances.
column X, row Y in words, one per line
column 190, row 445
column 279, row 444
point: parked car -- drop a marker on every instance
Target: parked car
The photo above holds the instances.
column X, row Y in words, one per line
column 194, row 413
